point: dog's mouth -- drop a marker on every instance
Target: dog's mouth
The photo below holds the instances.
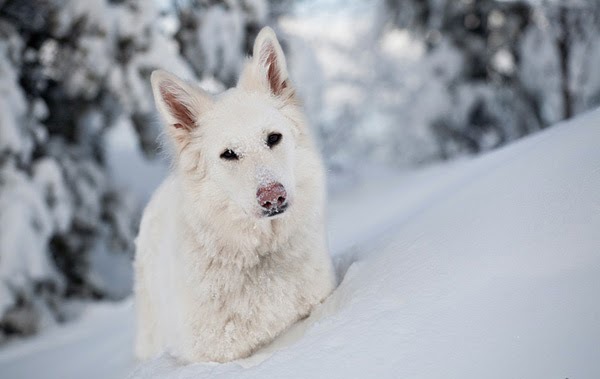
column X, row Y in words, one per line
column 275, row 211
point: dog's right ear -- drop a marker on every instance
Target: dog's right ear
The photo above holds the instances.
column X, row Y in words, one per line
column 179, row 103
column 268, row 55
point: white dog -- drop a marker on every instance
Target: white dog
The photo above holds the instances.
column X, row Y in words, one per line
column 231, row 249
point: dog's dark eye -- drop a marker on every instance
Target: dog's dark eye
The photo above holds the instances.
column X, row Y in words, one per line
column 273, row 139
column 230, row 155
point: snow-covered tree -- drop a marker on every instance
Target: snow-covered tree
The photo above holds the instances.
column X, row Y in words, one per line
column 215, row 38
column 69, row 70
column 526, row 64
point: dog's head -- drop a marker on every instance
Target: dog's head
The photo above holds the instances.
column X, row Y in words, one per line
column 240, row 146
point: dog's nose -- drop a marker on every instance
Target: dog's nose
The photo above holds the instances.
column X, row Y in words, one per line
column 272, row 197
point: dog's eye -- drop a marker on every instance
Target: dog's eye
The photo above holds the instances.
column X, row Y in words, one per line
column 230, row 155
column 273, row 139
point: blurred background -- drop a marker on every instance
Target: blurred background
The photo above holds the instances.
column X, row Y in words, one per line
column 386, row 83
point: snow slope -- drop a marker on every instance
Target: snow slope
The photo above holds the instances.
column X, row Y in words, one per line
column 483, row 268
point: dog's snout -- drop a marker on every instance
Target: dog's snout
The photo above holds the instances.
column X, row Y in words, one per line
column 272, row 198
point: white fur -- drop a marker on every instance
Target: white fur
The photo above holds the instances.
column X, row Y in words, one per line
column 215, row 279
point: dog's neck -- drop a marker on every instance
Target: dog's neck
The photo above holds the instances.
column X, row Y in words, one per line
column 234, row 238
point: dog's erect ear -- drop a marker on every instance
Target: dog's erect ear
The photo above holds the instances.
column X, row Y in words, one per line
column 179, row 103
column 267, row 53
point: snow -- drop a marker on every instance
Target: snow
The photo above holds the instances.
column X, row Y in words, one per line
column 48, row 177
column 124, row 157
column 25, row 227
column 12, row 107
column 77, row 350
column 213, row 37
column 487, row 267
column 222, row 32
column 540, row 70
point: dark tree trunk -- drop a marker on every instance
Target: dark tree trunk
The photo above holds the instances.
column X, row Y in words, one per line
column 563, row 51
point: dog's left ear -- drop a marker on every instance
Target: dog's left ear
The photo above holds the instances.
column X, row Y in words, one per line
column 270, row 65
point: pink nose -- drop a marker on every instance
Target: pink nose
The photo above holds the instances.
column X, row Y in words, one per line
column 272, row 197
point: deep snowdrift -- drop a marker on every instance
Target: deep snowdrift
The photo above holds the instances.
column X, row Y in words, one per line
column 483, row 268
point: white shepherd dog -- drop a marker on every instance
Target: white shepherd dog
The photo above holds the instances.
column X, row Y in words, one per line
column 231, row 249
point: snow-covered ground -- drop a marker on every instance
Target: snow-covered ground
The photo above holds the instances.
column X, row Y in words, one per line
column 483, row 268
